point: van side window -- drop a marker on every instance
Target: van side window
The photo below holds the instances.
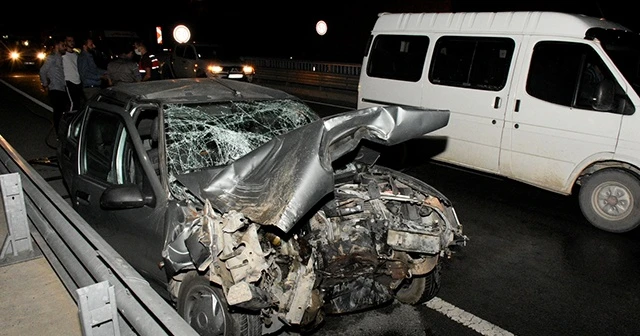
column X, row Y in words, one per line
column 399, row 57
column 472, row 62
column 574, row 75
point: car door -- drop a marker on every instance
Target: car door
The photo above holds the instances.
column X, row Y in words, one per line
column 179, row 62
column 552, row 128
column 111, row 154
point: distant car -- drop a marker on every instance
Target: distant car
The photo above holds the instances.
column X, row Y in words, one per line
column 206, row 60
column 21, row 54
column 248, row 211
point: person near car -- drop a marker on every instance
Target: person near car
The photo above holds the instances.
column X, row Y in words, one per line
column 123, row 69
column 91, row 75
column 149, row 65
column 53, row 81
column 72, row 75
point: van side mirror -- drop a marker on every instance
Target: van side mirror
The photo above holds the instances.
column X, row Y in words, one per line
column 604, row 96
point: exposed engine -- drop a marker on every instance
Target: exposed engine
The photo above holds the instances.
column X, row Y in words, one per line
column 380, row 230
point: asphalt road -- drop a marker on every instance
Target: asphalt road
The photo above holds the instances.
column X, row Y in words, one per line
column 533, row 265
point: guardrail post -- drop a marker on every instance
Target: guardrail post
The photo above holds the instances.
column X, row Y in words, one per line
column 17, row 245
column 97, row 309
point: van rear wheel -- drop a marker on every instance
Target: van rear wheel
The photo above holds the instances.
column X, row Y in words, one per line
column 610, row 200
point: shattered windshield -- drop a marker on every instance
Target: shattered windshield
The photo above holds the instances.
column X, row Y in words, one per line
column 209, row 135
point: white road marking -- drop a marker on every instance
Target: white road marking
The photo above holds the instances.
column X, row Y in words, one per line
column 467, row 319
column 43, row 105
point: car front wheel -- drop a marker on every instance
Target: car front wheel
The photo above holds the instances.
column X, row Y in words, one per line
column 204, row 307
column 420, row 289
column 609, row 200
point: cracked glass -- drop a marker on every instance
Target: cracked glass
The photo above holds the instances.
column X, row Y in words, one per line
column 200, row 136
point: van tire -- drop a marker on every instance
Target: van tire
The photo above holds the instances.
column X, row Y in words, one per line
column 610, row 200
column 197, row 295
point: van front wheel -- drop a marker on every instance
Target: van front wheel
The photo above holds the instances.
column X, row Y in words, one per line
column 610, row 200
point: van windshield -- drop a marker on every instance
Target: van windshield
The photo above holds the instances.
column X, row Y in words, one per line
column 623, row 47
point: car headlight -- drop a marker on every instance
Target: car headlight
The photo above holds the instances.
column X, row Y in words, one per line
column 248, row 70
column 42, row 55
column 215, row 68
column 14, row 55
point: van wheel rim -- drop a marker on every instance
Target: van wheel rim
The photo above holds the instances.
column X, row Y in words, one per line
column 612, row 201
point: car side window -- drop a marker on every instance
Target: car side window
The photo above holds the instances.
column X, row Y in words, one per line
column 180, row 50
column 189, row 53
column 97, row 152
column 108, row 152
column 570, row 74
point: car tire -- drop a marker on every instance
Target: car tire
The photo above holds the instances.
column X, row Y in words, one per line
column 610, row 200
column 204, row 307
column 420, row 289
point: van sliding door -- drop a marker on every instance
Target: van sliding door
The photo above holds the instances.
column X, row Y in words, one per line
column 469, row 76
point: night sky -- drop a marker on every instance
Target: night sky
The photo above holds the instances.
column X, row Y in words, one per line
column 270, row 28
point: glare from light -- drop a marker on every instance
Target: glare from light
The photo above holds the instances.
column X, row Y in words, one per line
column 247, row 69
column 321, row 27
column 181, row 34
column 215, row 68
column 42, row 55
column 14, row 55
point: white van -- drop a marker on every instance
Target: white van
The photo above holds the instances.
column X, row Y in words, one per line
column 545, row 98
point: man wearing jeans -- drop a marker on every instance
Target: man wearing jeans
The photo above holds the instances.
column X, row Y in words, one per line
column 90, row 75
column 53, row 82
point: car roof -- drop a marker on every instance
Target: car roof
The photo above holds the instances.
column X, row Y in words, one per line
column 195, row 90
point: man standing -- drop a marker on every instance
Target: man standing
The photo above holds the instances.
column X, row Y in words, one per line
column 71, row 74
column 123, row 69
column 90, row 75
column 53, row 82
column 149, row 64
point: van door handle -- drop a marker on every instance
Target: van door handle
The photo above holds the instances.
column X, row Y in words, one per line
column 496, row 103
column 517, row 109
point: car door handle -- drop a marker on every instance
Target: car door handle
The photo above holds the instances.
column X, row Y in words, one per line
column 497, row 102
column 81, row 195
column 517, row 109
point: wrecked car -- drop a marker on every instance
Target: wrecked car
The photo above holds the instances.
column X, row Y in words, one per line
column 250, row 213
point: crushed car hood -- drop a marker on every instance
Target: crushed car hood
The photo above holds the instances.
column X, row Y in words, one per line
column 279, row 182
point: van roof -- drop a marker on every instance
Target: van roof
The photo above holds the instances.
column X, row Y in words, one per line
column 528, row 22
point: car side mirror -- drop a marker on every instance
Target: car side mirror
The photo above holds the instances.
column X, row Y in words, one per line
column 127, row 196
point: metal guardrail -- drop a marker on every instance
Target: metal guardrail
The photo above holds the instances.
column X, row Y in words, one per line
column 325, row 81
column 341, row 76
column 82, row 258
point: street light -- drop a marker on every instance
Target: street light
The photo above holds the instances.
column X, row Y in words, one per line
column 321, row 27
